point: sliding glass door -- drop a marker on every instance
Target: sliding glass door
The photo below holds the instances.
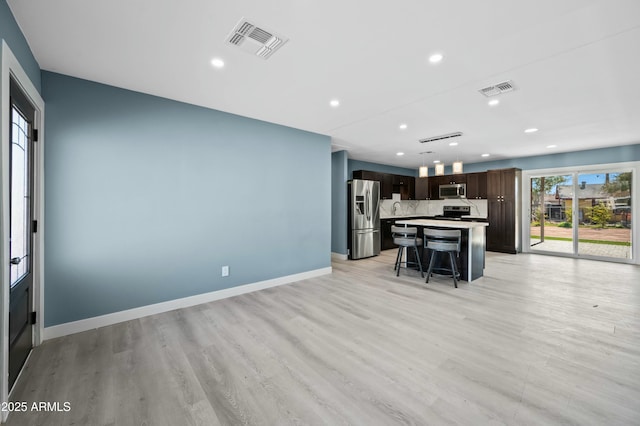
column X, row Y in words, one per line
column 604, row 214
column 551, row 204
column 582, row 214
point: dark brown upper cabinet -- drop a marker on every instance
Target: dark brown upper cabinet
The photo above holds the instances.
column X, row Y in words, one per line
column 390, row 183
column 477, row 186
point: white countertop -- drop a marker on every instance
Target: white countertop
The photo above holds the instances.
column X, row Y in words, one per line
column 409, row 216
column 403, row 216
column 442, row 223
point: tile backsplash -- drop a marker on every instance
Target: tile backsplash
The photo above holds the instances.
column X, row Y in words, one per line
column 429, row 207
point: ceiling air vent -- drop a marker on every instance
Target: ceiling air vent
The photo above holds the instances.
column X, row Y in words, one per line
column 441, row 137
column 498, row 89
column 255, row 39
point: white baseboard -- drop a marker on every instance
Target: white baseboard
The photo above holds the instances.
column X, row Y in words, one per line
column 157, row 308
column 338, row 256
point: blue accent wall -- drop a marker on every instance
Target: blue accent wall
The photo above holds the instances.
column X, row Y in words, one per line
column 382, row 168
column 339, row 202
column 618, row 154
column 10, row 32
column 147, row 198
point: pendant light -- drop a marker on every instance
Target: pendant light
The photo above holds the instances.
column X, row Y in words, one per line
column 439, row 169
column 457, row 165
column 423, row 171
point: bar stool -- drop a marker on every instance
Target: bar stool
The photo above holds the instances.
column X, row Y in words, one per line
column 443, row 241
column 406, row 237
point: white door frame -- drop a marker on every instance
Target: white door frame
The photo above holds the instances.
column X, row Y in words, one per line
column 635, row 204
column 11, row 68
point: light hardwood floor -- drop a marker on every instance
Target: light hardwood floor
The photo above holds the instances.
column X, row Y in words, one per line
column 537, row 341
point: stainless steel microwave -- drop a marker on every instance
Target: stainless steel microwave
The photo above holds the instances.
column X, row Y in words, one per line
column 453, row 190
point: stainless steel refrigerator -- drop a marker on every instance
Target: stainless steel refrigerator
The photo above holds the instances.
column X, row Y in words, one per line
column 363, row 218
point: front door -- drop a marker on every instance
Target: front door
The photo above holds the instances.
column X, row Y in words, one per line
column 21, row 231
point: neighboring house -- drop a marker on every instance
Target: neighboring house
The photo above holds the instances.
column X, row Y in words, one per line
column 589, row 195
column 558, row 203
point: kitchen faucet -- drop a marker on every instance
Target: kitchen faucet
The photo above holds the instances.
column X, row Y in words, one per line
column 393, row 208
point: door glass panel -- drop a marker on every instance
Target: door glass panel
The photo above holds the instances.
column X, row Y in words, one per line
column 551, row 213
column 20, row 200
column 604, row 214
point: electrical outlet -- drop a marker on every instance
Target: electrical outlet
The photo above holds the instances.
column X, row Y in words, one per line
column 225, row 271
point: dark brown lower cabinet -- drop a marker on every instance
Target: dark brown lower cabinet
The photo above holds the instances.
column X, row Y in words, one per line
column 387, row 239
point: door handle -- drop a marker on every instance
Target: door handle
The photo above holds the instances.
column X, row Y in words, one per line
column 366, row 205
column 16, row 261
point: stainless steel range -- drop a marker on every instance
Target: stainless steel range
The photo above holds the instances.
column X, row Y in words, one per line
column 454, row 212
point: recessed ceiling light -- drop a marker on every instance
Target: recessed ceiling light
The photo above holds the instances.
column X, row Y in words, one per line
column 531, row 130
column 485, row 155
column 399, row 153
column 436, row 161
column 217, row 63
column 493, row 102
column 436, row 58
column 402, row 126
column 453, row 143
column 551, row 146
column 334, row 103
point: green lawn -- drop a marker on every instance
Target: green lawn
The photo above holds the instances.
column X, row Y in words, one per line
column 611, row 243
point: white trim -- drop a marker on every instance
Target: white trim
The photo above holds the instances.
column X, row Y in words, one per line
column 11, row 67
column 338, row 256
column 131, row 314
column 632, row 166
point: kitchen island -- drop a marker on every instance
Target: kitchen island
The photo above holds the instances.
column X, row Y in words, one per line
column 472, row 248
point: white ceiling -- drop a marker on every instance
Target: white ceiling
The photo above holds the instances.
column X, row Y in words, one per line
column 575, row 63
